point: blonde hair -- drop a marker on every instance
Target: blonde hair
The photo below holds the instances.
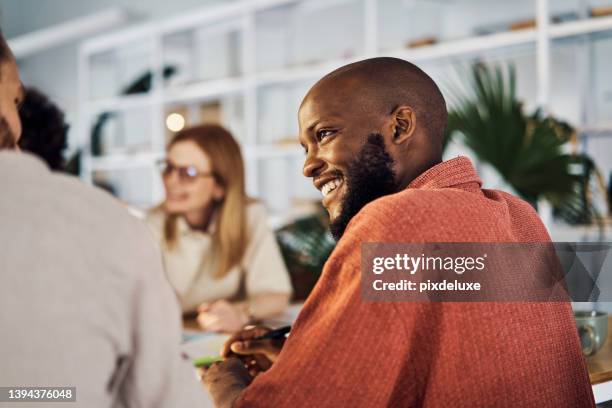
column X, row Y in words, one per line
column 229, row 238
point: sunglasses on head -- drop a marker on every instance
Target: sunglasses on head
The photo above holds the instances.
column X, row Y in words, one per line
column 185, row 173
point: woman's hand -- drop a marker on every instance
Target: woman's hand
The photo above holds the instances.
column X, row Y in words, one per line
column 221, row 316
column 257, row 355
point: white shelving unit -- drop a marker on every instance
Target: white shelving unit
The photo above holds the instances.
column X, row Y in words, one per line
column 243, row 88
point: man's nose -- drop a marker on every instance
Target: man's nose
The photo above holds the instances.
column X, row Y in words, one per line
column 312, row 165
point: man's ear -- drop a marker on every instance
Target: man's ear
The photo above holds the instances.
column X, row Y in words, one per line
column 404, row 123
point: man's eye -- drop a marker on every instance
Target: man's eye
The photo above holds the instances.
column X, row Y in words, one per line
column 323, row 133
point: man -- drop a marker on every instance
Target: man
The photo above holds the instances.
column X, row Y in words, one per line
column 373, row 132
column 84, row 301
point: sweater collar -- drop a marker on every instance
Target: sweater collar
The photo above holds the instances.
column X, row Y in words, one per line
column 451, row 173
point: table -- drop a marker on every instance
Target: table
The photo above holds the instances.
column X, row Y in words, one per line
column 198, row 344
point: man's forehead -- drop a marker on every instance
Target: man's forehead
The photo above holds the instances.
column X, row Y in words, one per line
column 314, row 110
column 326, row 99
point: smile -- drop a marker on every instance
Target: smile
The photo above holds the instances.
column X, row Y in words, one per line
column 331, row 186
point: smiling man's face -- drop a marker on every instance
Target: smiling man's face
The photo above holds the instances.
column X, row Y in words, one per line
column 368, row 129
column 345, row 152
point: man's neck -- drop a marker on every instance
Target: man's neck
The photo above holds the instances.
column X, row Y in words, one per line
column 410, row 174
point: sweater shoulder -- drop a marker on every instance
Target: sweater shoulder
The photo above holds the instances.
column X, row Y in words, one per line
column 412, row 205
column 449, row 214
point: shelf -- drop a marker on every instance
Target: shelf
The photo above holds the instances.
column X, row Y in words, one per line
column 202, row 91
column 454, row 48
column 211, row 15
column 603, row 130
column 580, row 27
column 441, row 50
column 121, row 103
column 122, row 161
column 195, row 19
column 113, row 40
column 468, row 46
column 299, row 73
column 272, row 151
column 502, row 40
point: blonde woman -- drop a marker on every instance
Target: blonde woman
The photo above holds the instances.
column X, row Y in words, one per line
column 221, row 257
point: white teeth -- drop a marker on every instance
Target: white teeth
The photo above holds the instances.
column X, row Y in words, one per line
column 330, row 186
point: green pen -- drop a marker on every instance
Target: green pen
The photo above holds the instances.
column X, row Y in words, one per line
column 206, row 361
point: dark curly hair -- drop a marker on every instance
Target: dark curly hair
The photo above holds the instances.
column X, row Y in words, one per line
column 44, row 129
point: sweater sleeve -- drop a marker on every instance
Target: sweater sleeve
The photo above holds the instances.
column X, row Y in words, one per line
column 156, row 374
column 263, row 264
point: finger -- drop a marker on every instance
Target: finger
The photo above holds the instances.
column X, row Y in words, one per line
column 208, row 321
column 204, row 306
column 252, row 347
column 213, row 323
column 200, row 320
column 201, row 373
column 241, row 336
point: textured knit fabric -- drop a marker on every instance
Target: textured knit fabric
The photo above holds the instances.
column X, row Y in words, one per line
column 344, row 352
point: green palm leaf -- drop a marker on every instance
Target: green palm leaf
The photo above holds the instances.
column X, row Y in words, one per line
column 526, row 150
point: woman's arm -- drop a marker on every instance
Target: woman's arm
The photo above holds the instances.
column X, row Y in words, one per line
column 264, row 306
column 223, row 316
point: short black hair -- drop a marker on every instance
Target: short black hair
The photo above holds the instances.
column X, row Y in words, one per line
column 44, row 130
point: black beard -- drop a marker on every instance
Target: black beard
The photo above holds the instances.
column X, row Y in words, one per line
column 368, row 177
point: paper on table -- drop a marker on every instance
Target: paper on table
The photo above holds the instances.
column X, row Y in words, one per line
column 197, row 343
column 206, row 344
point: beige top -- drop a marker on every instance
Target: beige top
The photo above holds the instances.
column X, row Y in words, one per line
column 83, row 297
column 191, row 262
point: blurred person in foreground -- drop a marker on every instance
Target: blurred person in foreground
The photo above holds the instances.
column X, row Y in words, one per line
column 372, row 132
column 83, row 295
column 221, row 256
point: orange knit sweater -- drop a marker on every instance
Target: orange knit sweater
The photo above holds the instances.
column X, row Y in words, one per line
column 344, row 352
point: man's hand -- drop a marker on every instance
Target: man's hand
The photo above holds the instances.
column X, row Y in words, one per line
column 257, row 355
column 225, row 381
column 221, row 316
